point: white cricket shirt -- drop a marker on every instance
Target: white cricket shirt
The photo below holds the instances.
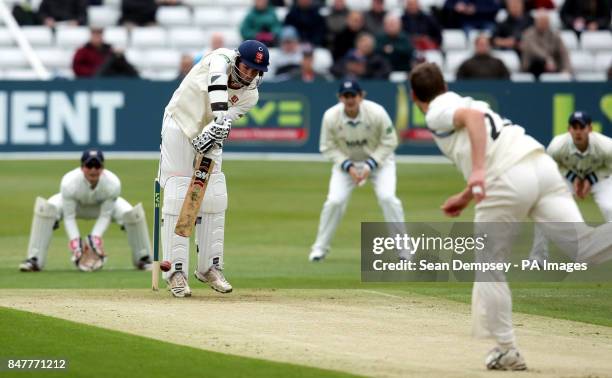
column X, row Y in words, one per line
column 507, row 143
column 370, row 134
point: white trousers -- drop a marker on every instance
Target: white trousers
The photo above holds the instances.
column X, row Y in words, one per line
column 602, row 194
column 341, row 186
column 532, row 188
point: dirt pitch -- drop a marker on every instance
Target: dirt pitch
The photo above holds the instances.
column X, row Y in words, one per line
column 359, row 331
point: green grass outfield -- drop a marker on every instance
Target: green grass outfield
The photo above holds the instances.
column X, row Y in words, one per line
column 271, row 223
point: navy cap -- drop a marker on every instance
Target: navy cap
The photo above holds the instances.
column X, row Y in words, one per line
column 579, row 117
column 349, row 86
column 91, row 155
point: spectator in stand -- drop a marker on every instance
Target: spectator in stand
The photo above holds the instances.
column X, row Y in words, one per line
column 216, row 42
column 363, row 62
column 482, row 65
column 73, row 12
column 352, row 66
column 307, row 73
column 586, row 15
column 261, row 24
column 346, row 39
column 138, row 12
column 25, row 15
column 472, row 14
column 375, row 17
column 422, row 29
column 305, row 17
column 610, row 73
column 185, row 66
column 394, row 45
column 539, row 4
column 290, row 55
column 89, row 58
column 336, row 21
column 117, row 66
column 508, row 33
column 542, row 48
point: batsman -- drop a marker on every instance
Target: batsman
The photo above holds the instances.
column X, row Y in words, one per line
column 219, row 89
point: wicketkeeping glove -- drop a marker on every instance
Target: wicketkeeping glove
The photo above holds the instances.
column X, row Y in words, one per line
column 76, row 247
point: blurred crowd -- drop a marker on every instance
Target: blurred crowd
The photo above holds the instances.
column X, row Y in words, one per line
column 367, row 44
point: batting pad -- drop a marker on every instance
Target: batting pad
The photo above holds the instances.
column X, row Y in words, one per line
column 175, row 248
column 210, row 232
column 45, row 216
column 215, row 198
column 135, row 223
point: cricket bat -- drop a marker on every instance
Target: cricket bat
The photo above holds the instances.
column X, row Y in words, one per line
column 195, row 194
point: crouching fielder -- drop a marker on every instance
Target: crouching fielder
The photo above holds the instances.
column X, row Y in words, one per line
column 88, row 192
column 219, row 89
column 358, row 136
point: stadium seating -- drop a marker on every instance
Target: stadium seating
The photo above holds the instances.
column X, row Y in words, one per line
column 582, row 61
column 116, row 36
column 596, row 40
column 188, row 27
column 510, row 59
column 570, row 40
column 102, row 16
column 187, row 38
column 173, row 16
column 12, row 57
column 71, row 38
column 38, row 35
column 454, row 39
column 210, row 17
column 147, row 37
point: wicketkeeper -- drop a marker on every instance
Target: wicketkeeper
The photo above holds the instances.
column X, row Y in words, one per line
column 221, row 88
column 87, row 192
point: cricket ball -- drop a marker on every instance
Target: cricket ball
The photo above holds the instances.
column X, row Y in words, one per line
column 165, row 265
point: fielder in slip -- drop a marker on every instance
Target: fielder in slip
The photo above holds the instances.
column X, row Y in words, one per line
column 219, row 89
column 87, row 192
column 510, row 177
column 358, row 136
column 584, row 157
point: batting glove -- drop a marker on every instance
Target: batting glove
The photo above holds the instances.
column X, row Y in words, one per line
column 220, row 132
column 203, row 142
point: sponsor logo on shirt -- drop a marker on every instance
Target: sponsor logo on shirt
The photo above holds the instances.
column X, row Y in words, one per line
column 356, row 143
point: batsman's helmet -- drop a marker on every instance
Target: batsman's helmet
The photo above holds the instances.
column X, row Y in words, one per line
column 255, row 55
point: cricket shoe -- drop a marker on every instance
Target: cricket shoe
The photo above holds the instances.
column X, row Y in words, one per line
column 317, row 255
column 215, row 279
column 145, row 263
column 29, row 265
column 177, row 284
column 510, row 359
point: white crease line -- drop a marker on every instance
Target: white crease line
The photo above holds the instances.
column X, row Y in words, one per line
column 381, row 293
